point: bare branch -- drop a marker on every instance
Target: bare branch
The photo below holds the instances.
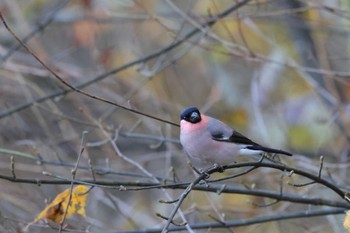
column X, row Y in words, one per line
column 78, row 88
column 250, row 221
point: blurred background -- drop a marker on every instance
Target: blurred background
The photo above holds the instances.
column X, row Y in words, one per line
column 275, row 70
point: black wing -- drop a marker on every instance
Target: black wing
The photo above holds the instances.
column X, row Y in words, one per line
column 241, row 139
column 235, row 137
column 220, row 132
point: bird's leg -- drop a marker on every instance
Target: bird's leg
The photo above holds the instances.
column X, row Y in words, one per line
column 200, row 171
column 274, row 158
column 216, row 167
column 263, row 155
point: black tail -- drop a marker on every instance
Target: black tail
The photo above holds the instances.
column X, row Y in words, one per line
column 269, row 150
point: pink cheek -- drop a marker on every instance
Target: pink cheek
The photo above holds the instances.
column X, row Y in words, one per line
column 186, row 127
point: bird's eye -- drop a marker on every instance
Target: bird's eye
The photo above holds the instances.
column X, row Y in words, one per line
column 195, row 117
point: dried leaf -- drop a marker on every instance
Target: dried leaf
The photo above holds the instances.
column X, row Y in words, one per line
column 55, row 210
column 85, row 31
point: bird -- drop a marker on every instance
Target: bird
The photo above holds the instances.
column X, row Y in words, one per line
column 210, row 141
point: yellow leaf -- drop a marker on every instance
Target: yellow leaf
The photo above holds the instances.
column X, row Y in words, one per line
column 55, row 210
column 346, row 222
column 301, row 137
column 238, row 117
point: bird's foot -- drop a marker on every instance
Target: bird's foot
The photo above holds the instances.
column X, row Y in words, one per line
column 205, row 176
column 195, row 169
column 215, row 168
column 218, row 168
column 200, row 172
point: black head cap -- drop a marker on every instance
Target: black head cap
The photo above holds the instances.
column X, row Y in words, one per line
column 191, row 114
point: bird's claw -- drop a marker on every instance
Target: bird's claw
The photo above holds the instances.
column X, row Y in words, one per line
column 272, row 157
column 201, row 172
column 205, row 175
column 218, row 168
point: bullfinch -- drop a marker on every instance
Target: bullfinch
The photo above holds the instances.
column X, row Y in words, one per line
column 210, row 141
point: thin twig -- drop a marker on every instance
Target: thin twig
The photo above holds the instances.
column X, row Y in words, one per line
column 276, row 200
column 168, row 202
column 185, row 193
column 74, row 172
column 13, row 167
column 172, row 221
column 92, row 170
column 312, row 182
